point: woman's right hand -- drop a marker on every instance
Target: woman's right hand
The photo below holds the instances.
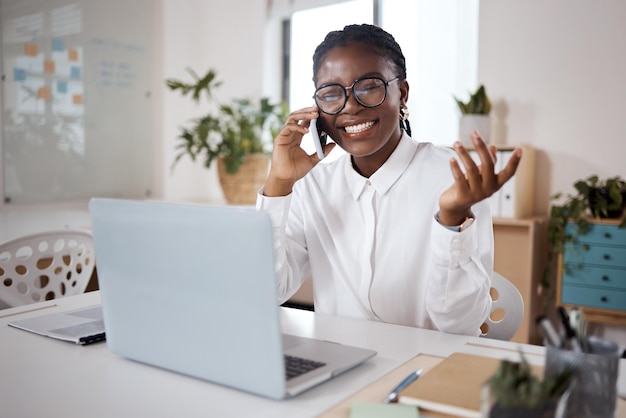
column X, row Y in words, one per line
column 289, row 161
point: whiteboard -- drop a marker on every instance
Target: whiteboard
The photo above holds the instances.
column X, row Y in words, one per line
column 76, row 103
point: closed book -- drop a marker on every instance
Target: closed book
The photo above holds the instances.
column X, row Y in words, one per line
column 453, row 386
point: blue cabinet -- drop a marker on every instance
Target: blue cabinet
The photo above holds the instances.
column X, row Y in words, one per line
column 592, row 273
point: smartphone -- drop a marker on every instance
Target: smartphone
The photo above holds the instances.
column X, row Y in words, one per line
column 319, row 140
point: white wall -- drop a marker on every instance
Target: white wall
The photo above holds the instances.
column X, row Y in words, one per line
column 226, row 36
column 557, row 72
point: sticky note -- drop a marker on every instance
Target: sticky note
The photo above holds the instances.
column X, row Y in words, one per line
column 49, row 66
column 75, row 72
column 30, row 49
column 61, row 86
column 19, row 74
column 77, row 99
column 72, row 54
column 387, row 410
column 44, row 93
column 58, row 45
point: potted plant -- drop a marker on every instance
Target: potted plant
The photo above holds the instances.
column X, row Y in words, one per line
column 515, row 391
column 475, row 115
column 595, row 198
column 238, row 135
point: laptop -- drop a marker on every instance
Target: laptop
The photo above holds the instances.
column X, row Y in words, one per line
column 192, row 289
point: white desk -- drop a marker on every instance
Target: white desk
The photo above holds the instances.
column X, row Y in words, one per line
column 45, row 377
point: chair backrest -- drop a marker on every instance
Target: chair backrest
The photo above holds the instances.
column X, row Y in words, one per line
column 507, row 310
column 45, row 266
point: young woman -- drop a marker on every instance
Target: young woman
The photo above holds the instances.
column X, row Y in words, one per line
column 396, row 230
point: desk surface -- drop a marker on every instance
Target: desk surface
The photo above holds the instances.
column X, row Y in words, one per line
column 46, row 377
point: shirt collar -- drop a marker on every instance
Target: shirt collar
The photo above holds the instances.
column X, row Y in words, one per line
column 385, row 176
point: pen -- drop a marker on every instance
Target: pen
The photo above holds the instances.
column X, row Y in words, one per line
column 577, row 322
column 548, row 332
column 570, row 333
column 393, row 395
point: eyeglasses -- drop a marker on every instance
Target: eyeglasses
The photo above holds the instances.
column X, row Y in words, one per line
column 368, row 91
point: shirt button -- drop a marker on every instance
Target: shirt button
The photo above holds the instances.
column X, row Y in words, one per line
column 456, row 253
column 369, row 183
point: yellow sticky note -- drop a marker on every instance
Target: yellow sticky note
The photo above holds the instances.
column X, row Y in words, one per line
column 382, row 410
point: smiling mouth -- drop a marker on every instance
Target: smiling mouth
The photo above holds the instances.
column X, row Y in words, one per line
column 354, row 129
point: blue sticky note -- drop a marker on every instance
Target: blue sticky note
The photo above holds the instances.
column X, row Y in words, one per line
column 58, row 45
column 61, row 86
column 19, row 74
column 386, row 410
column 75, row 72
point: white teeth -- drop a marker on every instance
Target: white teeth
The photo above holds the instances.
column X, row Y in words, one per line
column 359, row 128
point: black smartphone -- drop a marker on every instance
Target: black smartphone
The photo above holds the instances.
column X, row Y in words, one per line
column 319, row 139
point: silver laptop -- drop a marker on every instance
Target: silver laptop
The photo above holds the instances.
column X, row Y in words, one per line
column 191, row 289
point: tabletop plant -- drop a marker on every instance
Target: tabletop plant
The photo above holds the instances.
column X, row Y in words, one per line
column 595, row 198
column 230, row 131
column 517, row 392
column 478, row 103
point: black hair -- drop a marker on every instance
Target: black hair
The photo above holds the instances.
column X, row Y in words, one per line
column 375, row 38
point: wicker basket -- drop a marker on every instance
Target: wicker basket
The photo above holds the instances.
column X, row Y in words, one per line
column 241, row 188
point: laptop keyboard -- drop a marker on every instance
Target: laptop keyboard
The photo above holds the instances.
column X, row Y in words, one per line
column 295, row 366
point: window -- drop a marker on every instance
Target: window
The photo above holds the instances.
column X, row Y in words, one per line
column 308, row 29
column 438, row 38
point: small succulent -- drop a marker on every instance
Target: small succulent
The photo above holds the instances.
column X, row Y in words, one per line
column 515, row 386
column 478, row 104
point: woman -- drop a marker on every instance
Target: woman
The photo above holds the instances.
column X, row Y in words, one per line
column 395, row 231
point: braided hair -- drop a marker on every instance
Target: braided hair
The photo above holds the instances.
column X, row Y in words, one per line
column 375, row 38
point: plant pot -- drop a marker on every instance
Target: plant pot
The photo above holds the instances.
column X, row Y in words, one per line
column 612, row 213
column 241, row 188
column 546, row 410
column 469, row 123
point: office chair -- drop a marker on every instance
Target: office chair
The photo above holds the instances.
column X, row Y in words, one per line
column 507, row 310
column 45, row 266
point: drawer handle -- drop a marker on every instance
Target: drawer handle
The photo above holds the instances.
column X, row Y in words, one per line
column 607, row 257
column 604, row 299
column 605, row 278
column 607, row 235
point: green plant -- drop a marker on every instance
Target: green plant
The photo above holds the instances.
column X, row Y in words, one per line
column 514, row 385
column 478, row 104
column 230, row 131
column 595, row 198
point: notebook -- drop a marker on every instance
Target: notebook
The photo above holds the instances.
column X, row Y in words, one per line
column 191, row 289
column 454, row 386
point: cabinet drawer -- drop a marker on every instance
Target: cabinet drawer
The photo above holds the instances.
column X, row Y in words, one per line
column 585, row 275
column 600, row 234
column 594, row 297
column 598, row 254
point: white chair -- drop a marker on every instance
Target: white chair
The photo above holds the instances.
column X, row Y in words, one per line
column 45, row 266
column 507, row 310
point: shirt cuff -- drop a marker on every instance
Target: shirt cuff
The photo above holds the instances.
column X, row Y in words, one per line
column 455, row 228
column 276, row 207
column 453, row 248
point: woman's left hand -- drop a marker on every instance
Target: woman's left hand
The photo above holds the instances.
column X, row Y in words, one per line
column 478, row 182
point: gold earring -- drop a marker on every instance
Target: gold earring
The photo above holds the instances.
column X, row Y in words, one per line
column 404, row 112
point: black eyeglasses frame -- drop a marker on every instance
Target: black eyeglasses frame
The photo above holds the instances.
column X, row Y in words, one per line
column 346, row 96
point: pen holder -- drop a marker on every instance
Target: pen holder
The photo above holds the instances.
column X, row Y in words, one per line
column 594, row 377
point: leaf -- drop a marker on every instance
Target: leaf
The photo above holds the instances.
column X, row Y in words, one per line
column 478, row 104
column 231, row 130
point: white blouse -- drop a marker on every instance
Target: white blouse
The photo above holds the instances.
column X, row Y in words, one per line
column 374, row 249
